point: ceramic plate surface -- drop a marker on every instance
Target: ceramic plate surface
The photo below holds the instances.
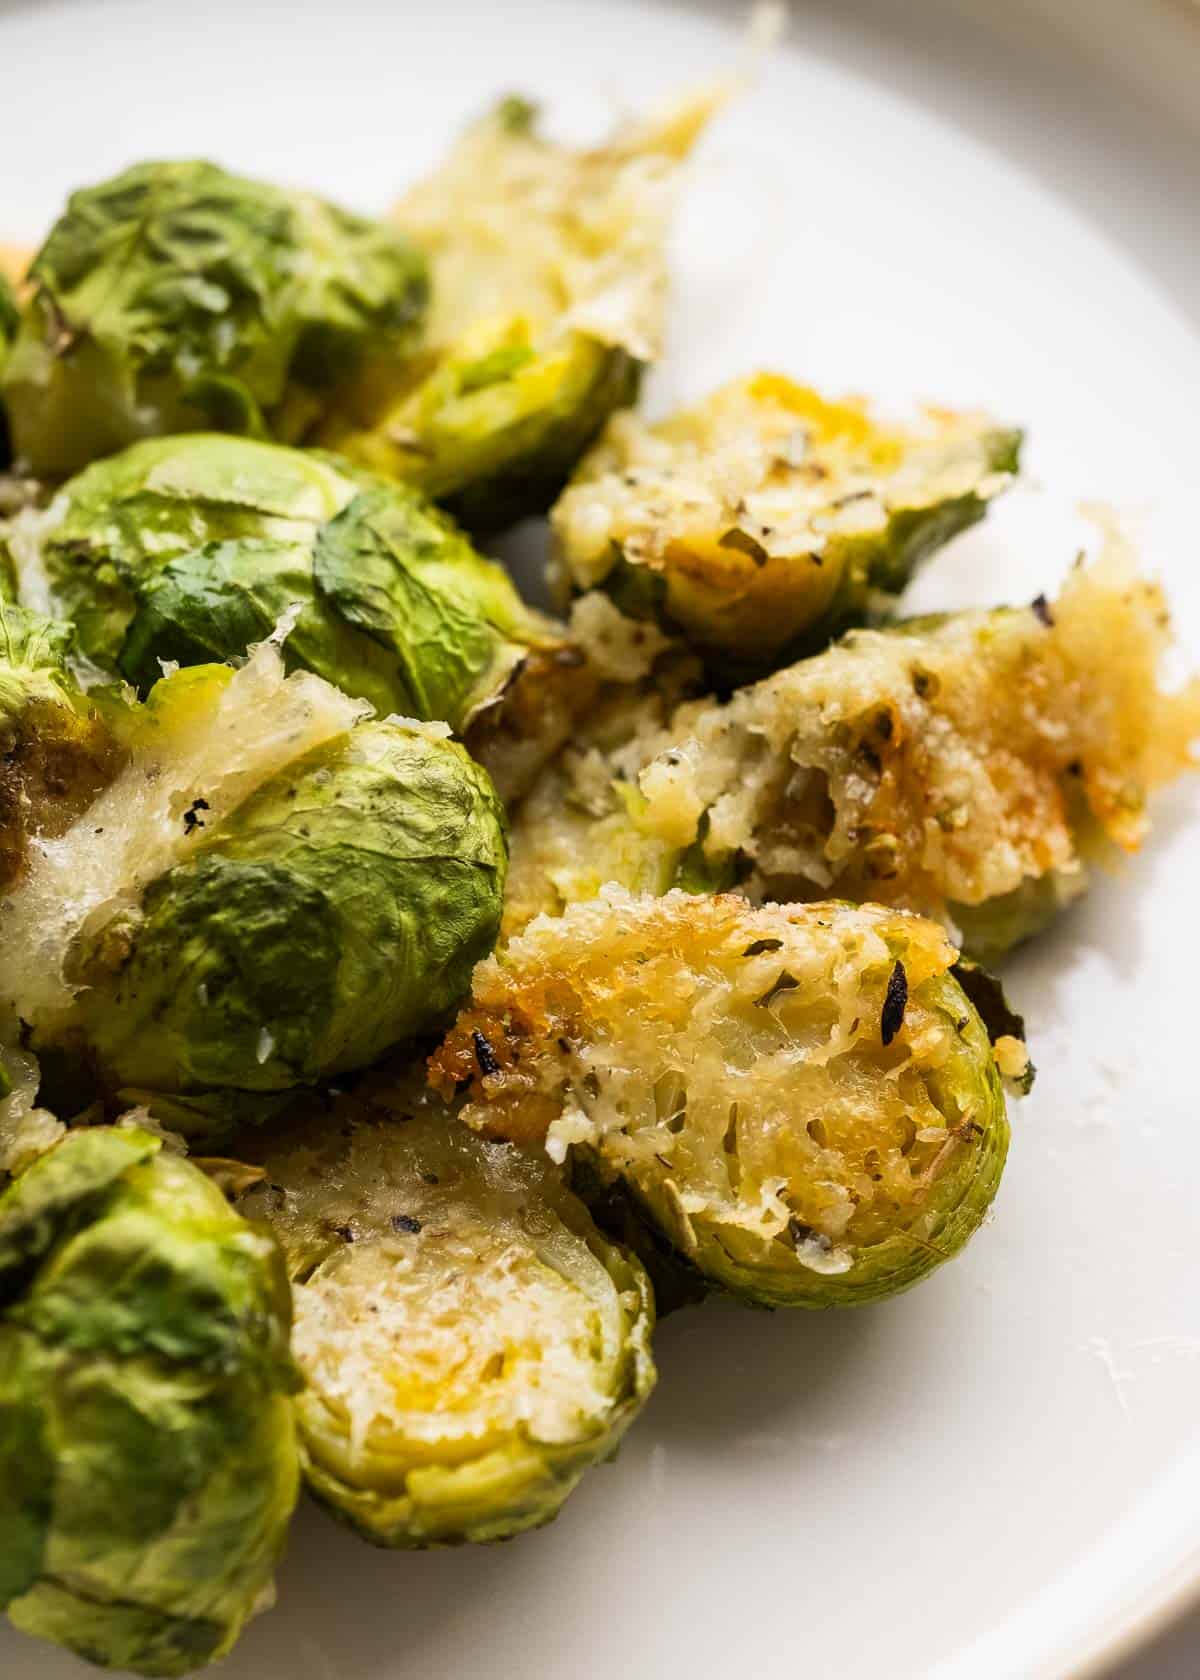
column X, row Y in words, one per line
column 998, row 1475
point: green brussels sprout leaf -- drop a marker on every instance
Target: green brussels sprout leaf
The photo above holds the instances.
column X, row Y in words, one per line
column 177, row 297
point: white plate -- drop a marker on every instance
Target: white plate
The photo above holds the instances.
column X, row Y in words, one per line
column 999, row 1475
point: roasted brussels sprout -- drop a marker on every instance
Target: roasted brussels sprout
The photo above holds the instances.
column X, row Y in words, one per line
column 9, row 318
column 192, row 549
column 548, row 287
column 148, row 1462
column 766, row 520
column 966, row 767
column 801, row 1096
column 270, row 892
column 471, row 1344
column 57, row 748
column 177, row 298
column 9, row 315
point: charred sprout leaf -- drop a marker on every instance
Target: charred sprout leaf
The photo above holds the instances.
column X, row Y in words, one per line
column 548, row 289
column 177, row 297
column 615, row 1208
column 767, row 519
column 57, row 747
column 967, row 766
column 787, row 1152
column 344, row 880
column 1005, row 1027
column 148, row 1461
column 471, row 1343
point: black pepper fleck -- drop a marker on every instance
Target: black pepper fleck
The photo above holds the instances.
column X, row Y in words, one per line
column 405, row 1222
column 1041, row 608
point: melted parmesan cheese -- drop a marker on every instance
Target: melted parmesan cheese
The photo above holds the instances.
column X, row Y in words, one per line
column 766, row 459
column 26, row 1131
column 732, row 1062
column 947, row 762
column 207, row 734
column 518, row 225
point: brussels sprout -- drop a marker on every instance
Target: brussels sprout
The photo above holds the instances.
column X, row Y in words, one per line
column 471, row 1344
column 9, row 317
column 548, row 288
column 191, row 549
column 276, row 896
column 57, row 748
column 967, row 767
column 767, row 519
column 148, row 1462
column 801, row 1096
column 177, row 297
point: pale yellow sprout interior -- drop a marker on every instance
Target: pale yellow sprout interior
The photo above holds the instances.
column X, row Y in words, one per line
column 462, row 1315
column 731, row 1062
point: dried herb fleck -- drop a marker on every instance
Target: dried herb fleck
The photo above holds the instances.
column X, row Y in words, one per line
column 192, row 820
column 759, row 947
column 744, row 543
column 895, row 1002
column 785, row 983
column 484, row 1054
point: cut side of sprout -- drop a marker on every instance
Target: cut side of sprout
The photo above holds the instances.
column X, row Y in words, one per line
column 802, row 1096
column 768, row 516
column 966, row 766
column 471, row 1343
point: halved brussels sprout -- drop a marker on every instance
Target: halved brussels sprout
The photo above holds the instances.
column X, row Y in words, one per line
column 270, row 892
column 548, row 289
column 801, row 1096
column 766, row 520
column 192, row 549
column 148, row 1462
column 177, row 297
column 57, row 748
column 966, row 767
column 471, row 1344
